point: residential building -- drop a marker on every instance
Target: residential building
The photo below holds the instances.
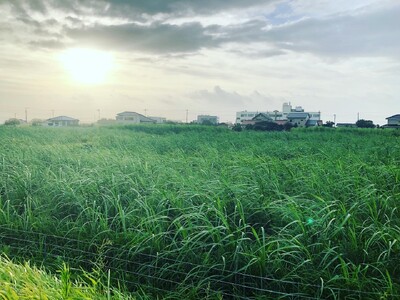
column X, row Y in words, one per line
column 280, row 117
column 133, row 118
column 61, row 121
column 159, row 120
column 393, row 121
column 260, row 117
column 299, row 119
column 206, row 119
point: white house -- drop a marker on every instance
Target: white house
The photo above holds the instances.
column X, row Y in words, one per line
column 61, row 121
column 393, row 121
column 298, row 118
column 159, row 120
column 133, row 118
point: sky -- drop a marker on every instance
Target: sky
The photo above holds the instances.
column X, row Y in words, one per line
column 92, row 59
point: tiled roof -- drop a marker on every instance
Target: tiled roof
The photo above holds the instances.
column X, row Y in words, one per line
column 298, row 115
column 262, row 115
column 130, row 113
column 62, row 118
column 394, row 117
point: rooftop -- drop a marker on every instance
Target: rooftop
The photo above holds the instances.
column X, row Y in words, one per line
column 62, row 118
column 298, row 115
column 394, row 116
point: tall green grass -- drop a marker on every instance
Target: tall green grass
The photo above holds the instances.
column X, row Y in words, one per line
column 196, row 211
column 24, row 281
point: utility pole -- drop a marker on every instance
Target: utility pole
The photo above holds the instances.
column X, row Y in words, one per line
column 187, row 113
column 275, row 111
column 334, row 119
column 26, row 114
column 358, row 116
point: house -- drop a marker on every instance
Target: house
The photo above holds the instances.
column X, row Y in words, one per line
column 206, row 119
column 159, row 120
column 393, row 122
column 133, row 118
column 299, row 119
column 61, row 121
column 261, row 117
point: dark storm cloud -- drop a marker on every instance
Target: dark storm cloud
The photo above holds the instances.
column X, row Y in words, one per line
column 156, row 38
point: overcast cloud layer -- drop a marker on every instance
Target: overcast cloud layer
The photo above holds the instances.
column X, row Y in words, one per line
column 340, row 57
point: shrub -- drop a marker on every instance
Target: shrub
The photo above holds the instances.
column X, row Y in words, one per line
column 13, row 122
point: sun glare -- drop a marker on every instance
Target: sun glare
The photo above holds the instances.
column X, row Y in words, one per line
column 87, row 66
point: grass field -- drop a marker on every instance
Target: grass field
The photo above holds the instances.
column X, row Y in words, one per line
column 206, row 213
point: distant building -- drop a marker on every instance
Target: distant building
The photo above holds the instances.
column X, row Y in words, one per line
column 159, row 120
column 279, row 117
column 299, row 119
column 133, row 118
column 61, row 121
column 206, row 119
column 260, row 117
column 393, row 122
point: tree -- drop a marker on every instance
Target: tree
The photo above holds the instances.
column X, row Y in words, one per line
column 268, row 126
column 207, row 122
column 365, row 124
column 13, row 122
column 237, row 127
column 37, row 122
column 288, row 126
column 329, row 124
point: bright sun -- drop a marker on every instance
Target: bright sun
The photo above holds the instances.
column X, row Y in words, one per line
column 87, row 66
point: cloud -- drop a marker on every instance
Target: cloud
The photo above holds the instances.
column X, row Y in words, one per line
column 369, row 34
column 133, row 25
column 177, row 7
column 156, row 38
column 47, row 44
column 219, row 96
column 135, row 8
column 366, row 34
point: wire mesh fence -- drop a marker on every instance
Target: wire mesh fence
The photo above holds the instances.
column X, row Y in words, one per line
column 160, row 273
